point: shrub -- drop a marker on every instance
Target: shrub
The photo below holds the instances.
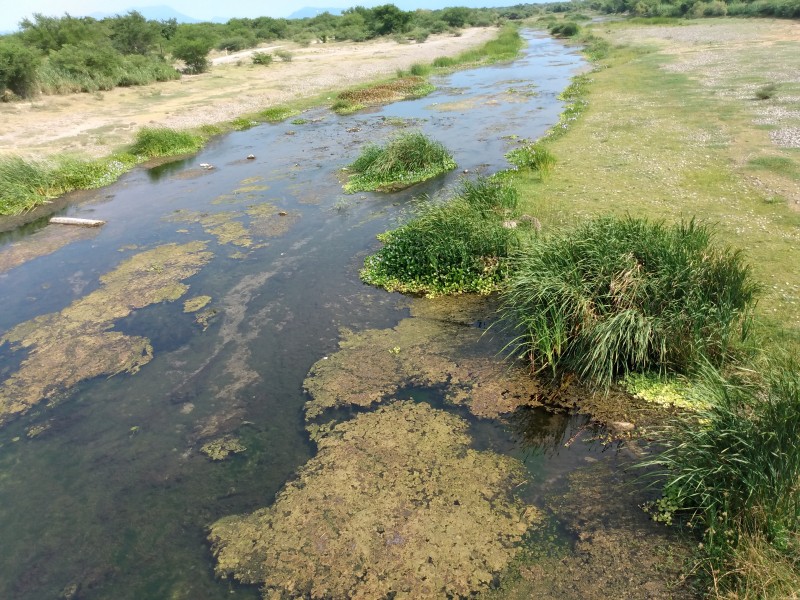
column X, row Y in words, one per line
column 407, row 159
column 419, row 70
column 235, row 44
column 163, row 141
column 766, row 92
column 715, row 8
column 262, row 58
column 733, row 469
column 18, row 66
column 457, row 246
column 284, row 55
column 618, row 295
column 193, row 50
column 565, row 29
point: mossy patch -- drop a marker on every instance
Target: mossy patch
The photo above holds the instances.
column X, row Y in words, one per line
column 77, row 343
column 404, row 88
column 222, row 448
column 191, row 305
column 395, row 504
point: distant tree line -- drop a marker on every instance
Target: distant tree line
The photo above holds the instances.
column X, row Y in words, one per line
column 53, row 55
column 786, row 9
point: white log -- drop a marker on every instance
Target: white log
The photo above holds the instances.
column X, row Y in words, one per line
column 74, row 221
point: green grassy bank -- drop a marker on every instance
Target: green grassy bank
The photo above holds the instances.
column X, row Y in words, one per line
column 648, row 135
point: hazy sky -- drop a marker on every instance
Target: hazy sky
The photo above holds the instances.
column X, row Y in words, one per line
column 14, row 11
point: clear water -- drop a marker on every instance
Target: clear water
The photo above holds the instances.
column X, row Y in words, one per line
column 113, row 500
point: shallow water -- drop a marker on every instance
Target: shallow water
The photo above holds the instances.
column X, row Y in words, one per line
column 113, row 499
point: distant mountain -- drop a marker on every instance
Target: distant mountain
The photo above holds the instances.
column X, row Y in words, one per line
column 153, row 13
column 313, row 11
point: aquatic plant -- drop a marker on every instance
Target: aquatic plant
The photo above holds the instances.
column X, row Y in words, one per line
column 732, row 469
column 151, row 142
column 457, row 246
column 395, row 500
column 622, row 294
column 408, row 158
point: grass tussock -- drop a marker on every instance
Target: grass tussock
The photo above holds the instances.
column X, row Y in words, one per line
column 534, row 157
column 26, row 184
column 456, row 246
column 732, row 470
column 151, row 142
column 276, row 114
column 406, row 159
column 620, row 295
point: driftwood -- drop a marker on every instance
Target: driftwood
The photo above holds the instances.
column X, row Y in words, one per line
column 74, row 221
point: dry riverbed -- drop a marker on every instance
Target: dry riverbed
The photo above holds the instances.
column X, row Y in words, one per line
column 96, row 124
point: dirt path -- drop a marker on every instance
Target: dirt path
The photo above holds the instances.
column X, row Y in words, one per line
column 96, row 124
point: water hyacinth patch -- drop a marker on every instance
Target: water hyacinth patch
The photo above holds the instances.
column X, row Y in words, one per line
column 461, row 245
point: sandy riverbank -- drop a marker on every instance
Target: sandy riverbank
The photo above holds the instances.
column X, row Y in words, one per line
column 97, row 124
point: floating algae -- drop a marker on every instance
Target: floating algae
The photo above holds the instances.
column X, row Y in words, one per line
column 222, row 448
column 617, row 552
column 440, row 346
column 76, row 343
column 395, row 504
column 423, row 351
column 238, row 228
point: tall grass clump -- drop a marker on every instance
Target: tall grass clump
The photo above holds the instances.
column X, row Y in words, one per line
column 25, row 184
column 276, row 114
column 163, row 141
column 732, row 469
column 406, row 159
column 456, row 246
column 620, row 295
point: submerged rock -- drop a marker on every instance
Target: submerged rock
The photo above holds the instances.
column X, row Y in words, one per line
column 395, row 504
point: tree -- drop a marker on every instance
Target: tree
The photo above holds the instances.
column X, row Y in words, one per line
column 18, row 66
column 192, row 47
column 53, row 33
column 387, row 19
column 133, row 34
column 456, row 16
